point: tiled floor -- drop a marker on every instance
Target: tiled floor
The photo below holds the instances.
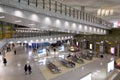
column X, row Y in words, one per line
column 48, row 75
column 117, row 77
column 15, row 67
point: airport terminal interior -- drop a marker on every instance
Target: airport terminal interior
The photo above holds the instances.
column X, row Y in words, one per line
column 59, row 40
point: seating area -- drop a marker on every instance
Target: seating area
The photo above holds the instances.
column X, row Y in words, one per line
column 70, row 61
column 53, row 68
column 87, row 56
column 77, row 60
column 68, row 64
column 65, row 65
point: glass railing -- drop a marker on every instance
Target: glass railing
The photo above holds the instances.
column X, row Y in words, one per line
column 22, row 34
column 66, row 10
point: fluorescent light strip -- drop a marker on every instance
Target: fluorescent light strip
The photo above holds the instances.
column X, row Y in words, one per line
column 31, row 24
column 18, row 21
column 105, row 12
column 1, row 17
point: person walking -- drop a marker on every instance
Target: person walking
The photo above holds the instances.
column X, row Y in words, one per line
column 25, row 68
column 4, row 61
column 29, row 69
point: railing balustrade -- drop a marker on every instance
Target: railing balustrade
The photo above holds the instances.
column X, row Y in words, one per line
column 65, row 10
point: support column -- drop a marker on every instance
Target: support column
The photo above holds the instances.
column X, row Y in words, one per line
column 118, row 49
column 82, row 11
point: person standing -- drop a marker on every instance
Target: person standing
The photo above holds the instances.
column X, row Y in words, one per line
column 4, row 61
column 47, row 52
column 25, row 68
column 54, row 52
column 29, row 69
column 15, row 51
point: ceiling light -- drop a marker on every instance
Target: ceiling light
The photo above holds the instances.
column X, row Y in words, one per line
column 31, row 24
column 18, row 21
column 31, row 40
column 111, row 12
column 106, row 12
column 103, row 12
column 18, row 13
column 99, row 12
column 37, row 40
column 34, row 17
column 2, row 17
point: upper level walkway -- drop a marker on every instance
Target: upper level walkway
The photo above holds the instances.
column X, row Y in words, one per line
column 61, row 16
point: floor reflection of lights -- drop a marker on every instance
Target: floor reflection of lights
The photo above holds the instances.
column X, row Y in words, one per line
column 99, row 75
column 27, row 62
column 30, row 54
column 101, row 63
column 61, row 56
column 52, row 53
column 82, row 68
column 19, row 65
column 111, row 58
column 98, row 71
column 35, row 59
column 42, row 61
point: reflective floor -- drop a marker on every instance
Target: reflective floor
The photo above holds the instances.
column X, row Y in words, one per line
column 15, row 67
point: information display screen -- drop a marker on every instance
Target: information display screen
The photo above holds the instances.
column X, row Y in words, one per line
column 112, row 50
column 61, row 48
column 90, row 46
column 61, row 56
column 110, row 66
column 87, row 77
column 41, row 51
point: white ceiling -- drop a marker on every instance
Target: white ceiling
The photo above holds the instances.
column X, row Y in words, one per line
column 90, row 6
column 93, row 5
column 25, row 22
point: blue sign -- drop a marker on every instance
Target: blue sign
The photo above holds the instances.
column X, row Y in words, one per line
column 61, row 48
column 41, row 51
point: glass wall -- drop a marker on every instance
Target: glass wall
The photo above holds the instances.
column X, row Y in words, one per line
column 8, row 30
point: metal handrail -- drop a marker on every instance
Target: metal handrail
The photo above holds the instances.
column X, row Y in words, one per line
column 63, row 9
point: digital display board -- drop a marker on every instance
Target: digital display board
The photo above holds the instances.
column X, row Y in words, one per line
column 112, row 50
column 110, row 66
column 61, row 48
column 90, row 46
column 87, row 77
column 41, row 51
